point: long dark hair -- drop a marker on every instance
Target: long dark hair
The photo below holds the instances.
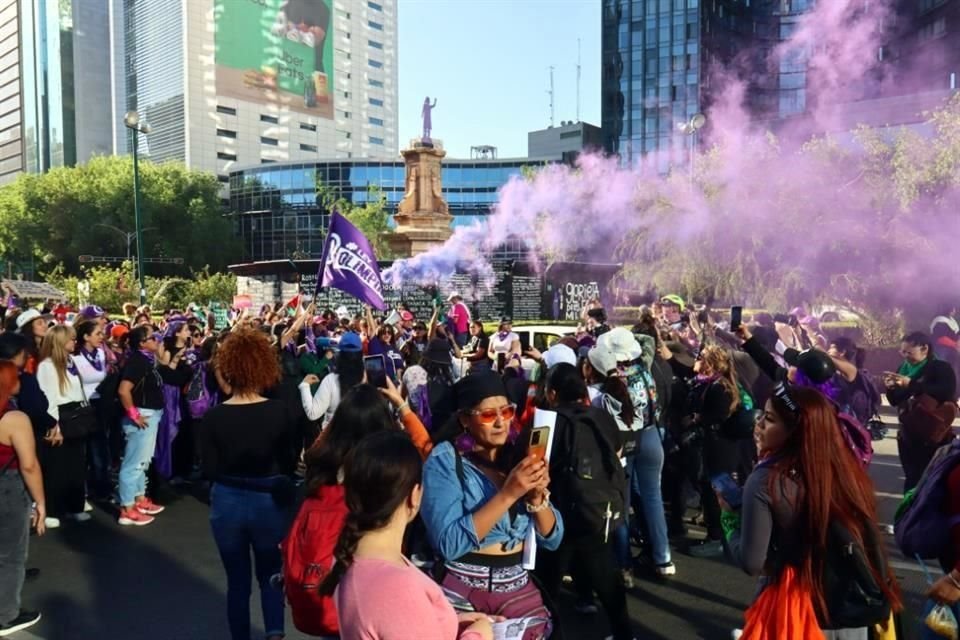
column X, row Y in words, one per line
column 12, row 344
column 362, row 411
column 349, row 370
column 138, row 336
column 379, row 475
column 616, row 388
column 84, row 329
column 833, row 487
column 567, row 383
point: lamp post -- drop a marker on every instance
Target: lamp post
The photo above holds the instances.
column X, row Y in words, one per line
column 132, row 121
column 690, row 129
column 128, row 235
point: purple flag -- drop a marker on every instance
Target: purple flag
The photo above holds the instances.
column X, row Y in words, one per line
column 349, row 263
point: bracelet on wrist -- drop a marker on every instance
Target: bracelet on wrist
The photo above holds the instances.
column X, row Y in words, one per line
column 400, row 408
column 544, row 504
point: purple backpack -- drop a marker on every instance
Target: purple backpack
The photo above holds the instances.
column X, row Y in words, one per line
column 921, row 527
column 199, row 398
column 857, row 437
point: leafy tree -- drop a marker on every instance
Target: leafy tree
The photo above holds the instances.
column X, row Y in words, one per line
column 68, row 212
column 371, row 218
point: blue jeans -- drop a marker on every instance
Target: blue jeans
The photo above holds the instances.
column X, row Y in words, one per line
column 645, row 473
column 242, row 519
column 137, row 455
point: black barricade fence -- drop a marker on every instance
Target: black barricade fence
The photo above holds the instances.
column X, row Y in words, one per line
column 521, row 291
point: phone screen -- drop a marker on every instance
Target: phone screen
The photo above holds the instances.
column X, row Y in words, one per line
column 376, row 369
column 538, row 442
column 727, row 487
column 736, row 317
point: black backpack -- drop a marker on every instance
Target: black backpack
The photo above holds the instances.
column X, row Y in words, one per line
column 854, row 598
column 590, row 481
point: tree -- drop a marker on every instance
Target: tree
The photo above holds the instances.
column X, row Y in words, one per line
column 65, row 213
column 371, row 218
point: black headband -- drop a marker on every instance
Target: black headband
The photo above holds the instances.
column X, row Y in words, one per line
column 780, row 391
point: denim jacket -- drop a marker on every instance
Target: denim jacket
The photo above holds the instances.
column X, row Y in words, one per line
column 448, row 512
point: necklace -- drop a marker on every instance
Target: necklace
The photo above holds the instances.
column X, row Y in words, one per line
column 93, row 358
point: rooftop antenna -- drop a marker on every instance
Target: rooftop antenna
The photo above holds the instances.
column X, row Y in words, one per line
column 578, row 79
column 551, row 94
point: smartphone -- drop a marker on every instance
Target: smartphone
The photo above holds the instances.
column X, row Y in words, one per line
column 729, row 490
column 376, row 369
column 538, row 442
column 736, row 318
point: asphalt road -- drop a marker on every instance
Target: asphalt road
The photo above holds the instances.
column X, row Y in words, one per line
column 165, row 581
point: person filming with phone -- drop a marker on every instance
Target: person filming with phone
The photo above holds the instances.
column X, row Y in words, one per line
column 482, row 494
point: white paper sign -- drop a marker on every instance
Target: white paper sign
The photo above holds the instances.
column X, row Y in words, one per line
column 541, row 418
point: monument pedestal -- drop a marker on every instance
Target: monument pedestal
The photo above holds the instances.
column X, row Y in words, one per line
column 423, row 217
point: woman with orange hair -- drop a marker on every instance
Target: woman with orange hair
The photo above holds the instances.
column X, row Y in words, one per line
column 20, row 482
column 807, row 527
column 250, row 449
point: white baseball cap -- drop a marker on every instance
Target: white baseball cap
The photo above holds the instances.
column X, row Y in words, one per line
column 29, row 316
column 455, row 294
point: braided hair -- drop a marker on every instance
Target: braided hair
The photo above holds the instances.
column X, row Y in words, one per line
column 379, row 476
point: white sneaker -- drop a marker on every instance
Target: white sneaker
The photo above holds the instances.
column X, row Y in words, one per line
column 51, row 523
column 665, row 570
column 736, row 633
column 79, row 517
column 87, row 507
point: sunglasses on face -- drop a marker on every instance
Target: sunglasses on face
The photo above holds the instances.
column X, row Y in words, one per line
column 489, row 416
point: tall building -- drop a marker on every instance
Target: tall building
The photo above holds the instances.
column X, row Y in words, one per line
column 224, row 83
column 11, row 97
column 53, row 76
column 658, row 56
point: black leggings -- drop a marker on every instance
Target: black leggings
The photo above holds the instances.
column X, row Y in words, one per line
column 594, row 568
column 64, row 476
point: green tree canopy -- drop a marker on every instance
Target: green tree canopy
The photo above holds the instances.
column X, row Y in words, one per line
column 60, row 215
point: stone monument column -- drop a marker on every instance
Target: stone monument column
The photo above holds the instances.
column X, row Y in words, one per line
column 423, row 217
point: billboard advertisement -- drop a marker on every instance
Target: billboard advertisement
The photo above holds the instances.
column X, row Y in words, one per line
column 276, row 51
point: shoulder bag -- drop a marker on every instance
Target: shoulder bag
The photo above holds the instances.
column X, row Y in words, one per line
column 78, row 419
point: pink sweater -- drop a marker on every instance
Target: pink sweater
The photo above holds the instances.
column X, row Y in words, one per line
column 377, row 600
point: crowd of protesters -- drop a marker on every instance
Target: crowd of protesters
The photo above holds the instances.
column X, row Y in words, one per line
column 409, row 446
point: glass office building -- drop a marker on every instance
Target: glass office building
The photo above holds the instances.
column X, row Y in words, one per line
column 659, row 55
column 650, row 78
column 276, row 214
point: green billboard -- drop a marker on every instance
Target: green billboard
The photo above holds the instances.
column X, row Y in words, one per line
column 276, row 51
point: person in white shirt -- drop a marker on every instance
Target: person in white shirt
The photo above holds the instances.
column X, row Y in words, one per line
column 349, row 373
column 93, row 364
column 504, row 345
column 64, row 467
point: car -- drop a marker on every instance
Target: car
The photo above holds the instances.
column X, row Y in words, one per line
column 542, row 337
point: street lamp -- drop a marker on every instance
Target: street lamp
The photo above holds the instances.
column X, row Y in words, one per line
column 128, row 235
column 132, row 121
column 690, row 129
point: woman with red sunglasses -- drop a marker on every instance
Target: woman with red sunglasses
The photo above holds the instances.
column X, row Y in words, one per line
column 481, row 497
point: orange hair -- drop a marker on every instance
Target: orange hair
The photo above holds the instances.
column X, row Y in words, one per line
column 9, row 377
column 247, row 362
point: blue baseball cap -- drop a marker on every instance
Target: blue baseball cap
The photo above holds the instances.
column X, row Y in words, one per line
column 350, row 342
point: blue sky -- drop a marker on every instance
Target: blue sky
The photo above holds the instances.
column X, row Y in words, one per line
column 486, row 62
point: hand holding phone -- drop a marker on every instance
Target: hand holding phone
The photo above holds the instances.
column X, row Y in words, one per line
column 538, row 443
column 376, row 370
column 728, row 489
column 736, row 317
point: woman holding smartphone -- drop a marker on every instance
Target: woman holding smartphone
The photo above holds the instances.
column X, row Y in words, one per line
column 481, row 497
column 379, row 593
